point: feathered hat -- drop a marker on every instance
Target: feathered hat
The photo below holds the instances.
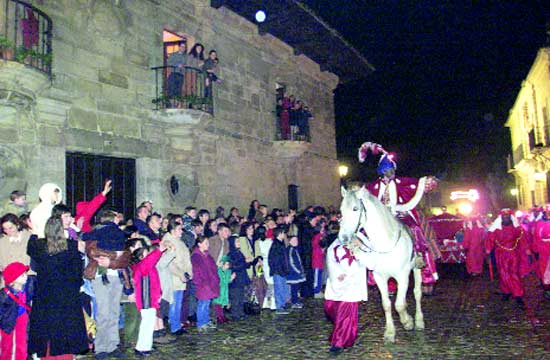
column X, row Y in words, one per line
column 386, row 160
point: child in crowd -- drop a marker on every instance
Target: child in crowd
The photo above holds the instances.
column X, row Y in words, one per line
column 148, row 292
column 207, row 283
column 226, row 276
column 318, row 260
column 14, row 313
column 262, row 245
column 296, row 274
column 239, row 265
column 278, row 266
column 18, row 203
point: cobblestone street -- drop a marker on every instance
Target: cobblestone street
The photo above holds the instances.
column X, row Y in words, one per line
column 466, row 319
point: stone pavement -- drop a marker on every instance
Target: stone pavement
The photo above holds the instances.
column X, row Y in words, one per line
column 466, row 319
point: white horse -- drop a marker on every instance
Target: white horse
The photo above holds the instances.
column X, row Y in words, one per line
column 389, row 246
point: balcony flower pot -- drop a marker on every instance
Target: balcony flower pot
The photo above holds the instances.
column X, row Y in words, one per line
column 6, row 49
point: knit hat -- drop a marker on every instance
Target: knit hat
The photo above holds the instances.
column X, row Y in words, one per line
column 225, row 259
column 13, row 271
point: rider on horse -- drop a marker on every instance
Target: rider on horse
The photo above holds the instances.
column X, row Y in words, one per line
column 402, row 195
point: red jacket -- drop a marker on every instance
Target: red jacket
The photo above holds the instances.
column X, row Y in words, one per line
column 317, row 253
column 143, row 269
column 87, row 209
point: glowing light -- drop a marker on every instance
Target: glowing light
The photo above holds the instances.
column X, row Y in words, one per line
column 465, row 208
column 343, row 170
column 471, row 195
column 519, row 214
column 514, row 192
column 260, row 16
column 539, row 176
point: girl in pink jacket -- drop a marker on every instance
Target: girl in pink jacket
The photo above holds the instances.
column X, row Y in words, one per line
column 147, row 292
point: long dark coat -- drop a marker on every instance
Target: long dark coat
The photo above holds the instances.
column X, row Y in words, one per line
column 56, row 316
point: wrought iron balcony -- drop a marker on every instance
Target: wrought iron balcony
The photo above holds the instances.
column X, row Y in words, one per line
column 191, row 88
column 26, row 35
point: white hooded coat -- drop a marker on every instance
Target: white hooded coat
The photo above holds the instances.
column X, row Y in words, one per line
column 43, row 211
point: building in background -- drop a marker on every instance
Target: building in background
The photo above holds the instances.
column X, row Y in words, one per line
column 83, row 97
column 529, row 123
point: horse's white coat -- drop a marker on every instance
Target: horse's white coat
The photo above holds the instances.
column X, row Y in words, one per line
column 389, row 248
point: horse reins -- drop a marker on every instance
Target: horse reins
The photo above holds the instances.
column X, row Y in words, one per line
column 359, row 234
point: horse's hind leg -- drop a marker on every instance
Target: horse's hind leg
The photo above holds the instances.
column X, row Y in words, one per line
column 382, row 283
column 418, row 317
column 401, row 302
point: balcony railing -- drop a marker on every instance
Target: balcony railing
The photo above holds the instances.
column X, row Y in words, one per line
column 25, row 35
column 191, row 88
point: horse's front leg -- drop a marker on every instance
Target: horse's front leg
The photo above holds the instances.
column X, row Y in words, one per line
column 401, row 301
column 382, row 283
column 418, row 316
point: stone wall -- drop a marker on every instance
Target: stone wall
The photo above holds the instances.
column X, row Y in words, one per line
column 99, row 102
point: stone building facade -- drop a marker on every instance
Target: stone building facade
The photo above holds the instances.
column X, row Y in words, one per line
column 98, row 101
column 529, row 123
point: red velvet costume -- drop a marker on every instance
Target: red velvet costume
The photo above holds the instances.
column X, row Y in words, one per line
column 509, row 244
column 541, row 245
column 474, row 243
column 402, row 195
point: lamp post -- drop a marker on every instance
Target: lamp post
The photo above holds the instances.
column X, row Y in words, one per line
column 343, row 171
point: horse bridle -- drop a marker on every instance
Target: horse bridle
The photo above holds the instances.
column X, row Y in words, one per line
column 362, row 235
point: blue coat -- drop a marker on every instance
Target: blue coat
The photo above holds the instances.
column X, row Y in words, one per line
column 296, row 272
column 9, row 311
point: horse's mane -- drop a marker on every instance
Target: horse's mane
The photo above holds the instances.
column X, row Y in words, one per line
column 388, row 220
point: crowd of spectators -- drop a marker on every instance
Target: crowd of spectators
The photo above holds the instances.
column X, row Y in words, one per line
column 293, row 117
column 147, row 280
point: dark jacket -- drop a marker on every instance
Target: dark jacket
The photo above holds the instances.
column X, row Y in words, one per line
column 238, row 265
column 278, row 259
column 56, row 317
column 305, row 236
column 296, row 272
column 108, row 236
column 9, row 311
column 189, row 239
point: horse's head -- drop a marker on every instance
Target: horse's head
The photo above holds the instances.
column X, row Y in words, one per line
column 353, row 213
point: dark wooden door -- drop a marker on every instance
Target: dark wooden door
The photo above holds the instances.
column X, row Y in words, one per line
column 87, row 173
column 293, row 197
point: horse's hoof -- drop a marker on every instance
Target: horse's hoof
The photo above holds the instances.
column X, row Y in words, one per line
column 409, row 325
column 389, row 339
column 419, row 325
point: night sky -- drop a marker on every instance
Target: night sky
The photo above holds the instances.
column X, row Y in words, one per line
column 447, row 74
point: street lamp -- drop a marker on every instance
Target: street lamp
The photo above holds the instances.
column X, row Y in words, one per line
column 514, row 192
column 343, row 170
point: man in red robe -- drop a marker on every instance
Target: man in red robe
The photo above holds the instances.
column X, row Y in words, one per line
column 474, row 244
column 541, row 247
column 402, row 195
column 507, row 237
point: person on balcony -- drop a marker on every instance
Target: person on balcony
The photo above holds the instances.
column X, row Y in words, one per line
column 177, row 60
column 195, row 60
column 210, row 68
